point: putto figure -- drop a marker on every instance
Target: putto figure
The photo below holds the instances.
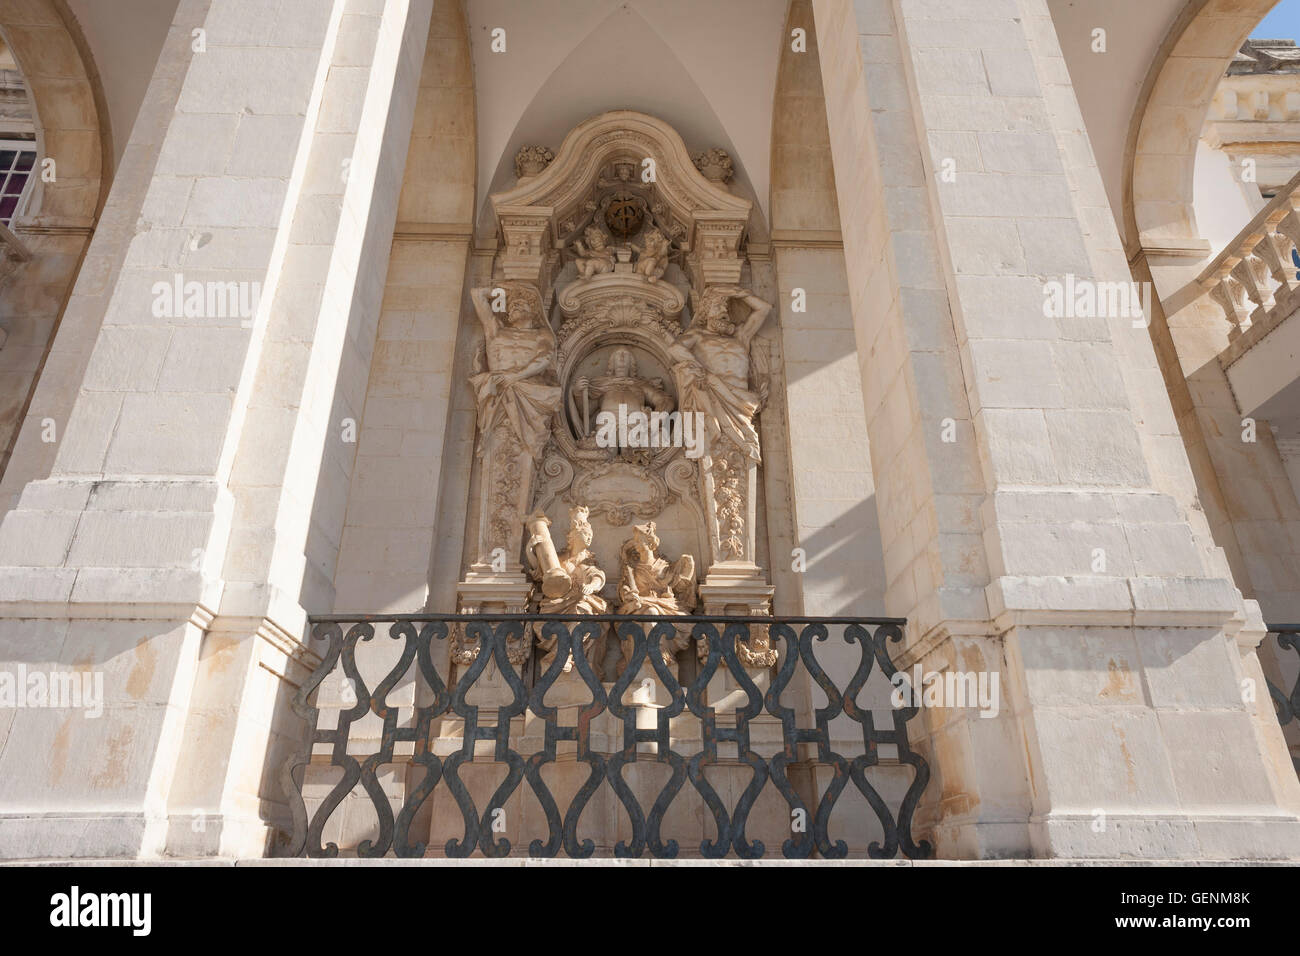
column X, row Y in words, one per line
column 595, row 256
column 570, row 580
column 712, row 366
column 652, row 256
column 514, row 389
column 650, row 584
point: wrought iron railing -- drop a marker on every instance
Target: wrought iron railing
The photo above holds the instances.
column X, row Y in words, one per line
column 726, row 649
column 1287, row 705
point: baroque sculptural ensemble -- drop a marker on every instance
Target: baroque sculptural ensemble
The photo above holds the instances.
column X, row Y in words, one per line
column 618, row 259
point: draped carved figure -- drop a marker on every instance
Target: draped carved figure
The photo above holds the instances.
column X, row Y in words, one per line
column 517, row 388
column 570, row 580
column 712, row 368
column 650, row 584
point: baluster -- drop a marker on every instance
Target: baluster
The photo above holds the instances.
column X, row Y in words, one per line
column 1247, row 273
column 1288, row 229
column 1229, row 293
column 1275, row 250
column 1263, row 280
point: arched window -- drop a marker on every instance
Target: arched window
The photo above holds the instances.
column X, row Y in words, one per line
column 17, row 159
column 17, row 139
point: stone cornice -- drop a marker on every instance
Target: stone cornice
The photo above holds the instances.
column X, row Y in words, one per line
column 591, row 145
column 807, row 239
column 433, row 232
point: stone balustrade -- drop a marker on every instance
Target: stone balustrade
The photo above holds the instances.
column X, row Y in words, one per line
column 1254, row 279
column 1255, row 99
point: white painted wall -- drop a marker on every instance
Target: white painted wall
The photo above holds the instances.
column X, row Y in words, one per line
column 1220, row 202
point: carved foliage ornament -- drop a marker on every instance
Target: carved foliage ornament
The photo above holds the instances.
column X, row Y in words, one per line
column 715, row 165
column 531, row 160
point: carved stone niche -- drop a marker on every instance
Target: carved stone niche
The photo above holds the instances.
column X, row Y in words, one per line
column 616, row 338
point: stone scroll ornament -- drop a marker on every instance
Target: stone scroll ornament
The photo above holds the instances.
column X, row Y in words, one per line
column 650, row 584
column 570, row 580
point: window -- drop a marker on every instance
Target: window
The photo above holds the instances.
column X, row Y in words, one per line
column 16, row 161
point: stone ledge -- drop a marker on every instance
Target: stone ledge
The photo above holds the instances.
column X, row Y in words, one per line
column 1112, row 601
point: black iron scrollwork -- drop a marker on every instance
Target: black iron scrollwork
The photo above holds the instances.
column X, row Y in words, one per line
column 1287, row 705
column 425, row 640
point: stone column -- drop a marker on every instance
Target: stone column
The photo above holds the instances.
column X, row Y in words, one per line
column 1027, row 535
column 183, row 485
column 298, row 440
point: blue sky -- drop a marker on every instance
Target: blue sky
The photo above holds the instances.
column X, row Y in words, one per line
column 1283, row 23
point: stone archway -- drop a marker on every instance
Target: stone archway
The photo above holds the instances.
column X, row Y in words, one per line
column 72, row 130
column 1188, row 329
column 1171, row 110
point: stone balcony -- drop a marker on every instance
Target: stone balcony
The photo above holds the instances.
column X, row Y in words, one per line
column 1256, row 280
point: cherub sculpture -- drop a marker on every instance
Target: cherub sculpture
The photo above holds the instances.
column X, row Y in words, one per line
column 594, row 256
column 652, row 255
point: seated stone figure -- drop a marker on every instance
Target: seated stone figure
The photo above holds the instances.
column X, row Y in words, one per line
column 575, row 565
column 649, row 584
column 652, row 256
column 594, row 257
